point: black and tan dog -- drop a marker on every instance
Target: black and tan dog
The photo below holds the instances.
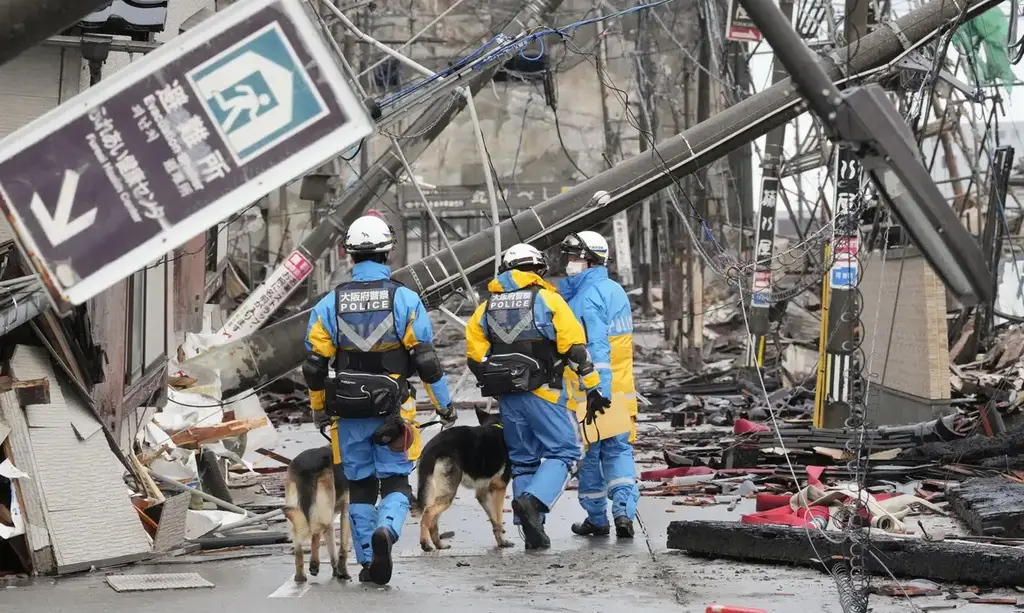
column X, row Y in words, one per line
column 315, row 492
column 476, row 457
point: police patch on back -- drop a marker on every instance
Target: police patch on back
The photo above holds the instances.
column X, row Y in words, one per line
column 512, row 300
column 361, row 301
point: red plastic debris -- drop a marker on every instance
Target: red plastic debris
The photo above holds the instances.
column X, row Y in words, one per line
column 745, row 426
column 724, row 608
column 785, row 516
column 767, row 502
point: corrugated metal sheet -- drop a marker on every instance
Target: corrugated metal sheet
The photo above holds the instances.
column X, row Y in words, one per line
column 85, row 500
column 29, row 86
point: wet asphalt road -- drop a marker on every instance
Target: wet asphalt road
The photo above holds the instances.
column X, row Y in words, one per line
column 576, row 575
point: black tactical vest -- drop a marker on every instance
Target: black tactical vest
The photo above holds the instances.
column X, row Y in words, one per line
column 367, row 337
column 511, row 331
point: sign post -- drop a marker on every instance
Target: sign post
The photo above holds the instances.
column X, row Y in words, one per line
column 173, row 144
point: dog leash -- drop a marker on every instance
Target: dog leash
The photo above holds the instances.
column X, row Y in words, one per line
column 323, row 427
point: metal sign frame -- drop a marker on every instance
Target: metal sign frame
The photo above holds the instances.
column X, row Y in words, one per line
column 740, row 28
column 356, row 125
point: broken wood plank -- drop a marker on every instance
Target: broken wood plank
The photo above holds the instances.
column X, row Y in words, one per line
column 32, row 391
column 273, row 455
column 196, row 435
column 946, row 561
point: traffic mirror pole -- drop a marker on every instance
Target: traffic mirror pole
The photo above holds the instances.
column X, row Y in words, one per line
column 276, row 350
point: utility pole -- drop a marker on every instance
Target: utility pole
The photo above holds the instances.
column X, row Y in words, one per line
column 691, row 357
column 764, row 234
column 842, row 385
column 382, row 174
column 648, row 129
column 26, row 23
column 276, row 350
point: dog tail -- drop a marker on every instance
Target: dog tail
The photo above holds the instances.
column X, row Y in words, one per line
column 423, row 474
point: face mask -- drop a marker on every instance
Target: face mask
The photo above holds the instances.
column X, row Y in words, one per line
column 575, row 267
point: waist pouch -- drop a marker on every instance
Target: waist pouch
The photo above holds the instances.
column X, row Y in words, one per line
column 358, row 395
column 510, row 373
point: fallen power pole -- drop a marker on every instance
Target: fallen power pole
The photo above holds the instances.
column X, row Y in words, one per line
column 279, row 285
column 27, row 23
column 764, row 242
column 277, row 349
column 948, row 561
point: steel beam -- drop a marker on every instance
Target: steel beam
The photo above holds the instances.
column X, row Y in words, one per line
column 277, row 349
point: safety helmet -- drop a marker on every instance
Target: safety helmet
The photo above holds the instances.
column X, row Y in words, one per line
column 520, row 255
column 369, row 234
column 588, row 245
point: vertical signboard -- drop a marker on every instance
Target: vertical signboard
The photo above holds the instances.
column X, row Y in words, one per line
column 173, row 144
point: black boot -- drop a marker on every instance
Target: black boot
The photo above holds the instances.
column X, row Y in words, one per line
column 623, row 527
column 586, row 528
column 364, row 573
column 380, row 568
column 528, row 509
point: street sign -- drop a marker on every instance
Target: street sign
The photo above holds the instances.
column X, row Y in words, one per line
column 173, row 144
column 739, row 26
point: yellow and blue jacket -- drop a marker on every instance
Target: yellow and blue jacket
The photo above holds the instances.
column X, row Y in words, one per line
column 551, row 316
column 603, row 307
column 410, row 317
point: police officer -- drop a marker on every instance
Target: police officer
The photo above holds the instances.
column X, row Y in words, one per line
column 608, row 470
column 375, row 333
column 518, row 344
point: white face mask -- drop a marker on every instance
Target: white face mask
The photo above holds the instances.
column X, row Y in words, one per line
column 575, row 267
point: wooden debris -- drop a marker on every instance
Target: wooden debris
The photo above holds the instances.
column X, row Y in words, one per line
column 946, row 561
column 197, row 435
column 33, row 391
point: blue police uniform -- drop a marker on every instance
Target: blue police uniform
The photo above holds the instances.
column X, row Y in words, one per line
column 374, row 327
column 524, row 317
column 608, row 470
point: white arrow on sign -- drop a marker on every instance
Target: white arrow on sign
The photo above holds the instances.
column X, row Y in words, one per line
column 59, row 227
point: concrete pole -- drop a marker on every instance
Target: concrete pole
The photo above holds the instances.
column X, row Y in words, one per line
column 842, row 375
column 26, row 23
column 277, row 349
column 764, row 233
column 272, row 293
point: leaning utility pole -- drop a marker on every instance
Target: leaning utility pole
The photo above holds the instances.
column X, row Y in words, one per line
column 279, row 285
column 26, row 23
column 276, row 350
column 612, row 150
column 764, row 234
column 841, row 327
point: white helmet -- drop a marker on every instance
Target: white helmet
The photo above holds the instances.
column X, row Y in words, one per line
column 369, row 234
column 588, row 245
column 521, row 255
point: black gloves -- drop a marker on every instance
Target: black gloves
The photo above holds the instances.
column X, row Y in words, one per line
column 447, row 415
column 596, row 404
column 321, row 419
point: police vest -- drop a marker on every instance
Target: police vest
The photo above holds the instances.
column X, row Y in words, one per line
column 511, row 330
column 367, row 338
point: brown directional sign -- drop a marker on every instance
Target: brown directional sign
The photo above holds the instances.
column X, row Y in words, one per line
column 173, row 144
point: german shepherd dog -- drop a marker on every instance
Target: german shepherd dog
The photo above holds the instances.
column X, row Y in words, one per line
column 476, row 457
column 315, row 492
